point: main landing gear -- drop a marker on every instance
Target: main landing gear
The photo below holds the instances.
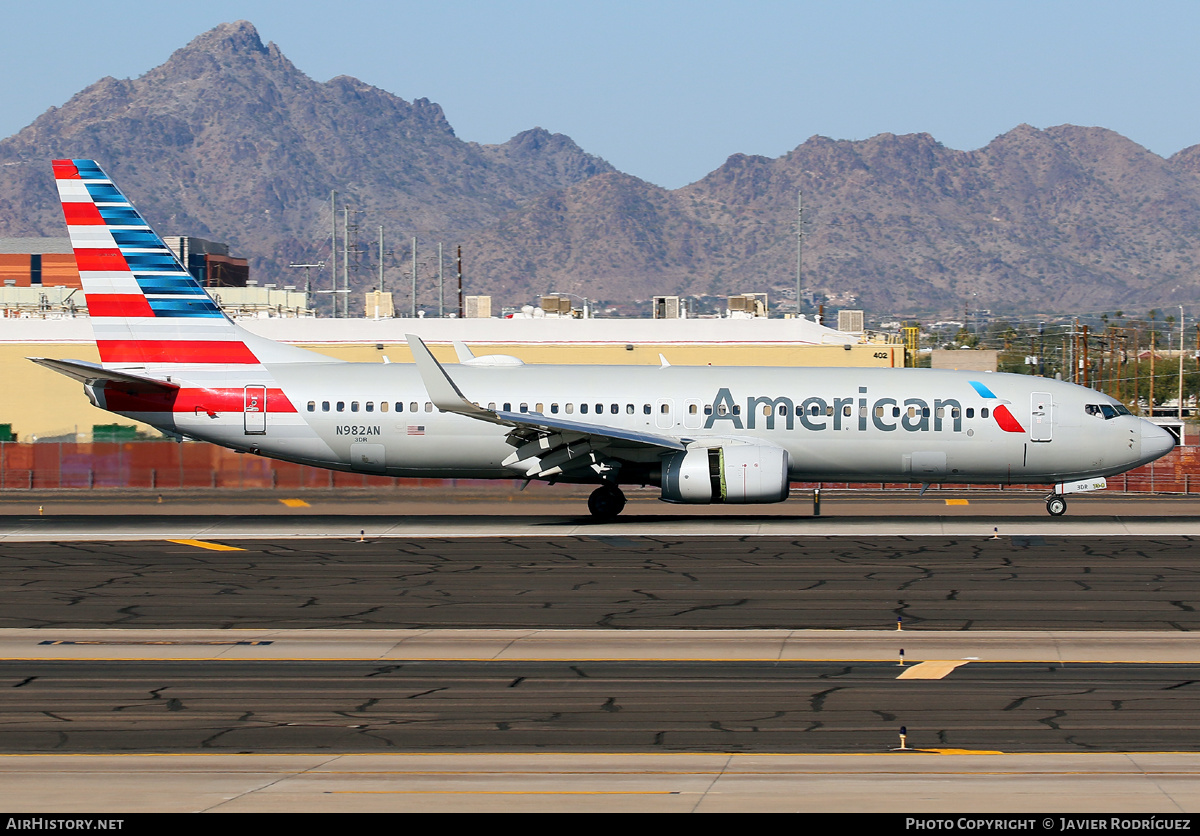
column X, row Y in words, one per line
column 606, row 502
column 1056, row 506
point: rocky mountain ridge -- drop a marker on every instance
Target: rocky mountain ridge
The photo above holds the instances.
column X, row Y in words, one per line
column 228, row 140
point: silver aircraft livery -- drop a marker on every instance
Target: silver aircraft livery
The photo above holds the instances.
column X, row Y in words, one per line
column 171, row 359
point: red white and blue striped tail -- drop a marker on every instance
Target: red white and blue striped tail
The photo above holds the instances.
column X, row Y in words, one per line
column 146, row 309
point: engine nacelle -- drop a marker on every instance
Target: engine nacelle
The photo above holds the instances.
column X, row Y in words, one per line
column 738, row 473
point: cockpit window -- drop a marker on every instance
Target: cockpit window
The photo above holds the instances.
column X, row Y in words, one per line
column 1105, row 411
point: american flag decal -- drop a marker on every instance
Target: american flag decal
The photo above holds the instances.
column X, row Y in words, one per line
column 416, row 429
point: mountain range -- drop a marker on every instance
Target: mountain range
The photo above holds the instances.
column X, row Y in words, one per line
column 228, row 140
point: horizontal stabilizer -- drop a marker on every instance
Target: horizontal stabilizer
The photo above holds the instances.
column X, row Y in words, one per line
column 89, row 373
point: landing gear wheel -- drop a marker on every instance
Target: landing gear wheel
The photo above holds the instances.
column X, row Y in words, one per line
column 606, row 502
column 1056, row 506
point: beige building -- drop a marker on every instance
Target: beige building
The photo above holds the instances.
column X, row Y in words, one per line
column 39, row 403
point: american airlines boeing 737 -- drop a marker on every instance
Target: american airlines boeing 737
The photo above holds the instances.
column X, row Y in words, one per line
column 171, row 359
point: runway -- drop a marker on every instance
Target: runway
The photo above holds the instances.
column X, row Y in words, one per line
column 541, row 661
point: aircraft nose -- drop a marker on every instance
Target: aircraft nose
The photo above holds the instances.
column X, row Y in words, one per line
column 1156, row 441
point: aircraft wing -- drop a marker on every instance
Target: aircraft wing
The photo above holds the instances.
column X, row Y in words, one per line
column 89, row 373
column 546, row 444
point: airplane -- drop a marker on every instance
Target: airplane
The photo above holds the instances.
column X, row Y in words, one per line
column 703, row 435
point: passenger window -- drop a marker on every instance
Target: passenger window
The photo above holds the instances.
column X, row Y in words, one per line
column 721, row 410
column 970, row 412
column 341, row 407
column 412, row 406
column 540, row 409
column 941, row 412
column 828, row 410
column 428, row 406
column 665, row 408
column 629, row 409
column 912, row 412
column 737, row 409
column 370, row 406
column 924, row 412
column 383, row 406
column 599, row 409
column 708, row 409
column 508, row 407
column 524, row 407
column 614, row 408
column 492, row 405
column 983, row 413
column 895, row 412
column 766, row 409
column 312, row 406
column 354, row 406
column 954, row 412
column 553, row 409
column 646, row 409
column 324, row 406
column 570, row 408
column 691, row 409
column 583, row 408
column 782, row 410
column 879, row 412
column 846, row 410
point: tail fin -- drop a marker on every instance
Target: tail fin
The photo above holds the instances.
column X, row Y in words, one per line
column 146, row 309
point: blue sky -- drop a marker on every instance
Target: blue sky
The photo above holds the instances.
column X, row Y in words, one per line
column 667, row 90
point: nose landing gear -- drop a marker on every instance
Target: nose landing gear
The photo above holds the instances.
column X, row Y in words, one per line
column 606, row 502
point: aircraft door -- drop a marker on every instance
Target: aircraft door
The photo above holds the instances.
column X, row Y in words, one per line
column 255, row 410
column 693, row 415
column 1041, row 425
column 664, row 415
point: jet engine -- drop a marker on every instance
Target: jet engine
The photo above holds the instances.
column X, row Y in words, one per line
column 738, row 473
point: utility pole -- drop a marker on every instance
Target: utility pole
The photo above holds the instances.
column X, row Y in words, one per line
column 414, row 278
column 441, row 296
column 333, row 249
column 799, row 252
column 462, row 312
column 380, row 260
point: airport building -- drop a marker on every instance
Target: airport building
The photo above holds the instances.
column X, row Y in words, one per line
column 42, row 404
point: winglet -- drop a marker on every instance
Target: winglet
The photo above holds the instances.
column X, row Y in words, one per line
column 464, row 353
column 444, row 393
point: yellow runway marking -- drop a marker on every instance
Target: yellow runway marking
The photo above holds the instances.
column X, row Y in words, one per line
column 203, row 544
column 931, row 670
column 294, row 503
column 958, row 502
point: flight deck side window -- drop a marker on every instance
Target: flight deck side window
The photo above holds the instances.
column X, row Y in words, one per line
column 312, row 406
